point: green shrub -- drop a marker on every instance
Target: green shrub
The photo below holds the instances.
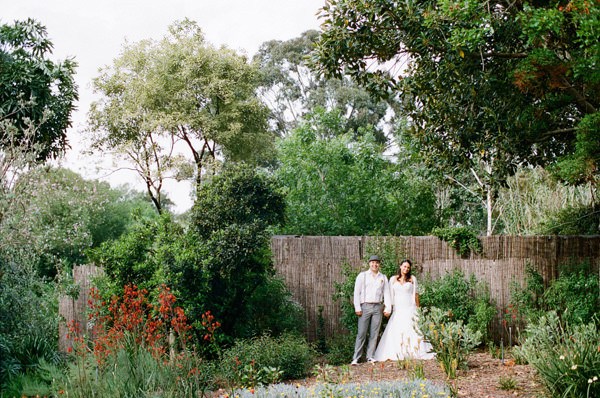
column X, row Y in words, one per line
column 526, row 304
column 465, row 300
column 574, row 295
column 452, row 341
column 288, row 353
column 340, row 349
column 567, row 357
column 484, row 313
column 271, row 308
column 28, row 318
column 462, row 239
column 451, row 292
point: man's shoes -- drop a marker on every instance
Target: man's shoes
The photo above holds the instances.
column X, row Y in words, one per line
column 354, row 363
column 371, row 361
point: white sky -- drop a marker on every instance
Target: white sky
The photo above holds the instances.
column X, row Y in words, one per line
column 93, row 32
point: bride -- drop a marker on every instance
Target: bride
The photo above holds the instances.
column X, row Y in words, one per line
column 401, row 338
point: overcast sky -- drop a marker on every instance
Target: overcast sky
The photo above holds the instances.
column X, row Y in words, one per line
column 93, row 32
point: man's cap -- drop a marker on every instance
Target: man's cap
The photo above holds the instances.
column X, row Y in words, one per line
column 374, row 258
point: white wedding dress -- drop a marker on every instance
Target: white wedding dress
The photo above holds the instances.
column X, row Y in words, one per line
column 400, row 340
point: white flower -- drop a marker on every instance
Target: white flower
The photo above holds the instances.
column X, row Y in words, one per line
column 561, row 357
column 573, row 367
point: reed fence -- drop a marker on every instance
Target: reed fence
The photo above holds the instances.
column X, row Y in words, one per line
column 312, row 265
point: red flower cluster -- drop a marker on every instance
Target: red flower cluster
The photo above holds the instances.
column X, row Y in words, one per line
column 210, row 326
column 133, row 319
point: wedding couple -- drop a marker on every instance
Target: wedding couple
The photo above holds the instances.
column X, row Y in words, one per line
column 375, row 297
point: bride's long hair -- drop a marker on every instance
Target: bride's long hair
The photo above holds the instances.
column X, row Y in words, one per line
column 408, row 274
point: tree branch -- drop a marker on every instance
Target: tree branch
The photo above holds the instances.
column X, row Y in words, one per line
column 586, row 106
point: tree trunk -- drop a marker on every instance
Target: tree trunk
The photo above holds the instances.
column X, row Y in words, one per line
column 489, row 205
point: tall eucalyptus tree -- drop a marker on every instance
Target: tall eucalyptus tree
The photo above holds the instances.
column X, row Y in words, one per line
column 179, row 92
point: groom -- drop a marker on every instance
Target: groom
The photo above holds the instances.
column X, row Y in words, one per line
column 371, row 289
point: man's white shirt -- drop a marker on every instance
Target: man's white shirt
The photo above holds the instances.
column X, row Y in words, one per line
column 371, row 288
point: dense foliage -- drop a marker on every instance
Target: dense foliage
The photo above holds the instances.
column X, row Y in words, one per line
column 61, row 216
column 179, row 95
column 37, row 95
column 221, row 263
column 574, row 295
column 289, row 353
column 337, row 185
column 463, row 299
column 49, row 219
column 487, row 85
column 28, row 319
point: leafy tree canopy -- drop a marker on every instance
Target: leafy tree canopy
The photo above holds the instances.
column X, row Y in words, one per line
column 487, row 86
column 179, row 90
column 292, row 89
column 337, row 186
column 37, row 95
column 59, row 215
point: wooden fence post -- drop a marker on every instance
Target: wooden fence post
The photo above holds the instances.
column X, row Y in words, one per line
column 74, row 310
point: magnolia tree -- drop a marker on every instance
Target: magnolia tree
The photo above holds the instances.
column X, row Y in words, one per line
column 487, row 86
column 37, row 95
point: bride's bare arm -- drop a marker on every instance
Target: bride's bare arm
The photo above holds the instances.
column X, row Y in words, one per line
column 417, row 301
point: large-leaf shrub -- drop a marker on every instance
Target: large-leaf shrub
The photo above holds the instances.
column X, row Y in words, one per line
column 452, row 341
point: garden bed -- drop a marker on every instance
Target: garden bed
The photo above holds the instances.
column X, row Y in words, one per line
column 484, row 379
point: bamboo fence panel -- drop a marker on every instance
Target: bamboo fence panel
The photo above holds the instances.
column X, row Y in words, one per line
column 311, row 266
column 75, row 310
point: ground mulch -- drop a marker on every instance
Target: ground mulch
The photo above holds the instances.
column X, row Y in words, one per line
column 481, row 380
